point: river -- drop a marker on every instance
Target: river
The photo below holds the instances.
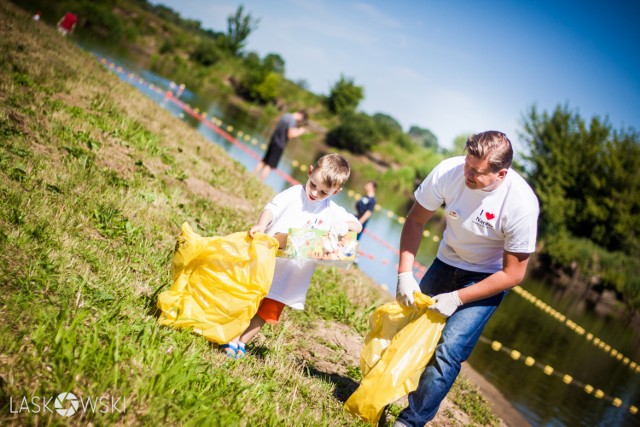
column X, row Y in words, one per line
column 573, row 371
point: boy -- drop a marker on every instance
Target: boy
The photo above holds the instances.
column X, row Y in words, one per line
column 297, row 207
column 366, row 204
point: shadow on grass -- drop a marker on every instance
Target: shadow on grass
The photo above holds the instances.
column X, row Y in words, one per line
column 344, row 386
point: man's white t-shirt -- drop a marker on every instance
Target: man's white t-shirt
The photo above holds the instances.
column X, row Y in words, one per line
column 293, row 209
column 480, row 225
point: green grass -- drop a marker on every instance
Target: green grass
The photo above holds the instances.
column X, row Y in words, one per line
column 93, row 184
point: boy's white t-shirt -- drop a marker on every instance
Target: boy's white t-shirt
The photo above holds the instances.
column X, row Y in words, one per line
column 480, row 225
column 293, row 209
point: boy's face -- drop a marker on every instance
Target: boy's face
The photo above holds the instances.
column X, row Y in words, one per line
column 316, row 189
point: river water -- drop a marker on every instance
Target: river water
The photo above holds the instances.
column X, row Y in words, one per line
column 604, row 388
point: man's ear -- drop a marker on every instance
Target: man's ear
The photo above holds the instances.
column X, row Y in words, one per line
column 502, row 173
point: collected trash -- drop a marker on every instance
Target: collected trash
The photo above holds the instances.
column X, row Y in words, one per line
column 396, row 351
column 218, row 283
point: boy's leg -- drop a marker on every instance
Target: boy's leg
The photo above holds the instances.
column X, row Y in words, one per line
column 254, row 327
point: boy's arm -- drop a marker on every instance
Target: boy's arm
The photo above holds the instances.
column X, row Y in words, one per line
column 354, row 226
column 365, row 216
column 263, row 221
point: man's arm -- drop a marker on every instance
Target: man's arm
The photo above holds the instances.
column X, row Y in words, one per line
column 295, row 132
column 411, row 235
column 513, row 270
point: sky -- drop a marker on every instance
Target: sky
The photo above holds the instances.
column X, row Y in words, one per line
column 454, row 67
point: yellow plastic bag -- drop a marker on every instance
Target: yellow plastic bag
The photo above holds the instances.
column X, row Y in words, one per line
column 218, row 283
column 395, row 353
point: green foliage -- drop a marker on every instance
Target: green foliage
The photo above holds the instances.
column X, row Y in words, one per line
column 585, row 176
column 424, row 137
column 345, row 96
column 356, row 133
column 386, row 126
column 239, row 27
column 206, row 52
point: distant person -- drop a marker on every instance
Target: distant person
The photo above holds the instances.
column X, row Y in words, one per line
column 37, row 16
column 299, row 206
column 366, row 204
column 289, row 126
column 491, row 217
column 67, row 23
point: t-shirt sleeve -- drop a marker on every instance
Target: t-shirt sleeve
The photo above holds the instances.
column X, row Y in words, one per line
column 279, row 203
column 340, row 214
column 372, row 204
column 522, row 231
column 429, row 193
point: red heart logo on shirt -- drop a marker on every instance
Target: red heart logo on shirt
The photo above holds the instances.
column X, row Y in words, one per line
column 489, row 216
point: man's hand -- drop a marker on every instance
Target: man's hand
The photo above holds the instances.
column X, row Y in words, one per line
column 407, row 285
column 446, row 304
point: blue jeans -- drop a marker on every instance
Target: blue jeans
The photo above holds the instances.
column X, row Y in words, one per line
column 459, row 337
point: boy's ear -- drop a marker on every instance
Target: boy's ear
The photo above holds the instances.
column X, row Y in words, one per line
column 310, row 171
column 337, row 191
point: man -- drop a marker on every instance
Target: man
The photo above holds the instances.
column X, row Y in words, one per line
column 491, row 225
column 289, row 126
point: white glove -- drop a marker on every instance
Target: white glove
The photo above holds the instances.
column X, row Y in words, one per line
column 446, row 304
column 407, row 285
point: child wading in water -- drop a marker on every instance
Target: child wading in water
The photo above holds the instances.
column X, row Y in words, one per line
column 300, row 206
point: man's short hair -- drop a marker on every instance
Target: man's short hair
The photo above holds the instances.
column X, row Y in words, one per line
column 492, row 145
column 334, row 170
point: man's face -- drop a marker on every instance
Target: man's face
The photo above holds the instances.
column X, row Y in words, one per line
column 316, row 190
column 478, row 175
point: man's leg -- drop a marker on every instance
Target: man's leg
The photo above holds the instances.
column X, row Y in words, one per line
column 459, row 337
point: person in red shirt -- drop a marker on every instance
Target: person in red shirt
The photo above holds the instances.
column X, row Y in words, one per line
column 67, row 23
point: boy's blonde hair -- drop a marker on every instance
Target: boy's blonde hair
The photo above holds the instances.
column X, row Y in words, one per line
column 333, row 170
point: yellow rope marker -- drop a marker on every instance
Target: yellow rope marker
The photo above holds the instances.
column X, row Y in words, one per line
column 389, row 214
column 303, row 168
column 401, row 219
column 247, row 137
column 204, row 115
column 515, row 354
column 378, row 207
column 588, row 389
column 529, row 361
column 617, row 402
column 358, row 196
column 567, row 379
column 230, row 128
column 598, row 394
column 607, row 348
column 614, row 352
column 589, row 336
column 263, row 146
column 548, row 370
column 633, row 365
column 240, row 133
column 254, row 141
column 196, row 110
column 496, row 346
column 633, row 409
column 436, row 238
column 626, row 361
column 619, row 356
column 562, row 317
column 426, row 233
column 295, row 164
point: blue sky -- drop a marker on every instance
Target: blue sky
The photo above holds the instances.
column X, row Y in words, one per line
column 454, row 66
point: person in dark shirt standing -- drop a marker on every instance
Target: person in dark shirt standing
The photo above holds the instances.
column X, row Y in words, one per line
column 289, row 126
column 366, row 205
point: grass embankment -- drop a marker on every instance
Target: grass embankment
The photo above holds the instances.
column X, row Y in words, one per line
column 95, row 181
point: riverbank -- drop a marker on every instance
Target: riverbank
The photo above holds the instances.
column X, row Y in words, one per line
column 95, row 181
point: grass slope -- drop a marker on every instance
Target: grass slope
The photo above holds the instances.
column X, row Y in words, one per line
column 95, row 181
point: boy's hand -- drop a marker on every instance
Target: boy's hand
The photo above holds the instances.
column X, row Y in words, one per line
column 256, row 229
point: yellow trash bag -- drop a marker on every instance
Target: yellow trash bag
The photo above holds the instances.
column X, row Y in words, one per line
column 218, row 283
column 395, row 353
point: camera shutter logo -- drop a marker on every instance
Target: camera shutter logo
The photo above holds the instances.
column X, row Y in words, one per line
column 59, row 404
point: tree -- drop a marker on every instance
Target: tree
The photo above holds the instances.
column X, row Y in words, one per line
column 356, row 133
column 386, row 125
column 345, row 96
column 239, row 26
column 424, row 137
column 274, row 62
